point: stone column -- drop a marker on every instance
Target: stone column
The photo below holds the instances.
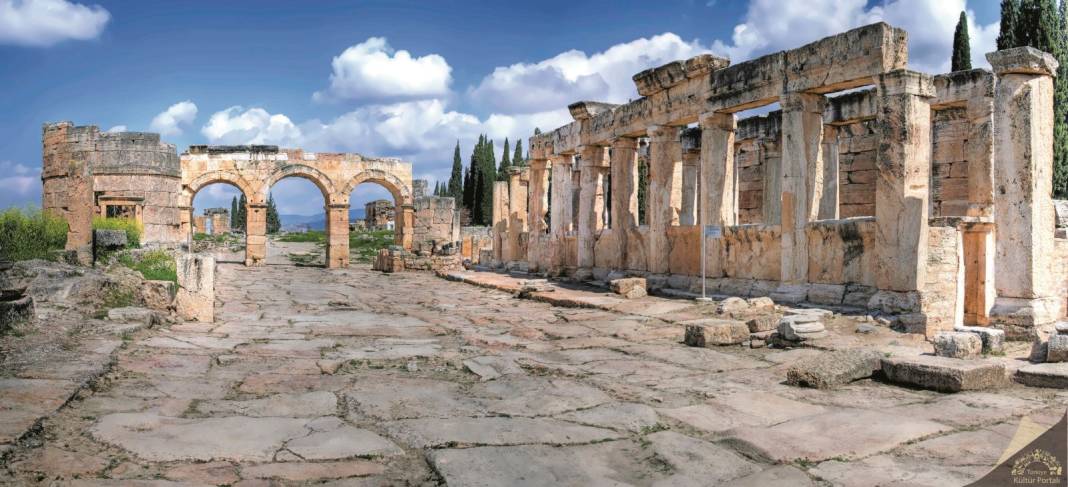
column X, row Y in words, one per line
column 405, row 222
column 902, row 188
column 665, row 151
column 802, row 186
column 592, row 167
column 538, row 197
column 828, row 207
column 517, row 211
column 980, row 155
column 719, row 196
column 1023, row 168
column 561, row 218
column 337, row 235
column 691, row 156
column 255, row 234
column 624, row 184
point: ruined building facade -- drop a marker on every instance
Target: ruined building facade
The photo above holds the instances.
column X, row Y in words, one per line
column 877, row 187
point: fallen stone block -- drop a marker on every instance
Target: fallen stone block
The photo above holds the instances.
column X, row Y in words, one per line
column 1061, row 327
column 958, row 344
column 710, row 331
column 993, row 338
column 944, row 374
column 159, row 295
column 834, row 369
column 132, row 314
column 762, row 323
column 1057, row 348
column 15, row 307
column 1044, row 375
column 798, row 328
column 629, row 287
column 762, row 303
column 109, row 240
column 732, row 305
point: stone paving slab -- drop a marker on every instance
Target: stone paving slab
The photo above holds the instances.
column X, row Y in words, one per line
column 499, row 431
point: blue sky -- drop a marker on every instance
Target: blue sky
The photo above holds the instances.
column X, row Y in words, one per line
column 384, row 78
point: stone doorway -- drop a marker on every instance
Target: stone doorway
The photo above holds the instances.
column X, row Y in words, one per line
column 978, row 240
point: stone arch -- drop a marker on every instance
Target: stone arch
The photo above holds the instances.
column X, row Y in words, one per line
column 317, row 177
column 402, row 193
column 190, row 190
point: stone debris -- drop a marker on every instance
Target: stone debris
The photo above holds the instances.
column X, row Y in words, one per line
column 762, row 323
column 834, row 369
column 630, row 287
column 801, row 327
column 964, row 345
column 1044, row 375
column 1057, row 348
column 993, row 338
column 15, row 308
column 711, row 331
column 732, row 305
column 142, row 316
column 944, row 374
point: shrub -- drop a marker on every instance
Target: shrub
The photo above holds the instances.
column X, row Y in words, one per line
column 30, row 233
column 155, row 265
column 132, row 228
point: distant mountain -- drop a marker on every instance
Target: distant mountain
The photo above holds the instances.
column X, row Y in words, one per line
column 314, row 222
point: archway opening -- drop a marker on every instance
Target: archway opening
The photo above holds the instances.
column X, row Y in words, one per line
column 296, row 222
column 375, row 221
column 218, row 221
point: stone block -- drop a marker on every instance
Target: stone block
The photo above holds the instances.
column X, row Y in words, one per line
column 798, row 328
column 830, row 294
column 993, row 338
column 958, row 344
column 15, row 307
column 109, row 240
column 133, row 314
column 790, row 293
column 1044, row 375
column 732, row 305
column 762, row 323
column 1057, row 349
column 159, row 295
column 195, row 299
column 834, row 369
column 710, row 331
column 1061, row 327
column 762, row 303
column 944, row 374
column 629, row 287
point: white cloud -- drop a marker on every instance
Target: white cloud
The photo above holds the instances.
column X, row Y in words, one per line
column 572, row 76
column 117, row 128
column 235, row 125
column 170, row 122
column 772, row 25
column 48, row 22
column 19, row 180
column 374, row 70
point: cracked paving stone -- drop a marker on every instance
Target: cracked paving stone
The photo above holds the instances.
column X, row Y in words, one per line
column 436, row 433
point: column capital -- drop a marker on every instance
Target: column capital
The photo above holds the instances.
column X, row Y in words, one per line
column 1023, row 60
column 800, row 101
column 537, row 164
column 625, row 143
column 565, row 159
column 593, row 156
column 717, row 120
column 663, row 133
column 905, row 82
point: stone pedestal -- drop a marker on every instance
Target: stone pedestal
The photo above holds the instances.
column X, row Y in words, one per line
column 195, row 299
column 256, row 234
column 802, row 179
column 903, row 159
column 592, row 168
column 665, row 152
column 1023, row 208
column 337, row 236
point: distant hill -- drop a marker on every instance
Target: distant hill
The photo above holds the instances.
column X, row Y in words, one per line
column 315, row 222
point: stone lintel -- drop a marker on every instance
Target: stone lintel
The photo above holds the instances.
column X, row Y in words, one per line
column 1023, row 60
column 584, row 110
column 704, row 64
column 906, row 82
column 663, row 133
column 593, row 156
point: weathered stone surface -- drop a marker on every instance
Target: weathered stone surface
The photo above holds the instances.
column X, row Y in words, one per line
column 627, row 416
column 993, row 338
column 944, row 374
column 537, row 465
column 798, row 328
column 762, row 323
column 342, row 442
column 630, row 287
column 732, row 305
column 312, row 471
column 780, row 476
column 159, row 295
column 711, row 331
column 834, row 369
column 195, row 299
column 109, row 240
column 1044, row 375
column 146, row 317
column 436, row 433
column 1057, row 348
column 312, row 404
column 694, row 459
column 961, row 345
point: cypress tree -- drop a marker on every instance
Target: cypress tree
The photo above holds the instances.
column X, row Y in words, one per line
column 1010, row 17
column 233, row 212
column 467, row 198
column 537, row 131
column 456, row 179
column 274, row 224
column 489, row 175
column 517, row 158
column 1060, row 108
column 962, row 51
column 502, row 173
column 1038, row 25
column 242, row 212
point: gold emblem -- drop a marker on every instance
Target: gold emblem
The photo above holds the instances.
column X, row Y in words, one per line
column 1021, row 466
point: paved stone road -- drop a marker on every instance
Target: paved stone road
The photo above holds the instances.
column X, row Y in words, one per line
column 362, row 378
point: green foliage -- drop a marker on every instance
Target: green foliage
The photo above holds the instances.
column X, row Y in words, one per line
column 1010, row 14
column 1060, row 108
column 242, row 214
column 506, row 162
column 643, row 186
column 233, row 212
column 317, row 236
column 274, row 223
column 517, row 158
column 132, row 228
column 962, row 52
column 456, row 179
column 31, row 234
column 364, row 245
column 155, row 265
column 115, row 297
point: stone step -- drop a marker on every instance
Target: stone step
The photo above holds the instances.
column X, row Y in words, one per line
column 1054, row 375
column 944, row 374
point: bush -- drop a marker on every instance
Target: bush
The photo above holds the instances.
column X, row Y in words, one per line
column 31, row 234
column 132, row 228
column 155, row 265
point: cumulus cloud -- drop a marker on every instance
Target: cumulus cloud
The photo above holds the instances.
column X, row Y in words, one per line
column 170, row 122
column 772, row 25
column 237, row 125
column 47, row 22
column 19, row 180
column 372, row 70
column 117, row 128
column 573, row 75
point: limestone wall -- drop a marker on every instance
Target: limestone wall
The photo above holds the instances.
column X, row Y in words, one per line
column 949, row 172
column 436, row 223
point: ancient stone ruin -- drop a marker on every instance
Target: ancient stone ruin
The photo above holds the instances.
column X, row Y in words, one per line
column 872, row 186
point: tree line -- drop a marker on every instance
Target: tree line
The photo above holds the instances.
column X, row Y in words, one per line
column 472, row 185
column 1042, row 25
column 239, row 213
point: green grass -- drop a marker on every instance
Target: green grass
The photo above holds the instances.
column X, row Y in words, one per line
column 317, row 236
column 132, row 228
column 30, row 233
column 155, row 265
column 364, row 245
column 115, row 297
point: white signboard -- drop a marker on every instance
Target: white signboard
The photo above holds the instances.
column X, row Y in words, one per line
column 713, row 231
